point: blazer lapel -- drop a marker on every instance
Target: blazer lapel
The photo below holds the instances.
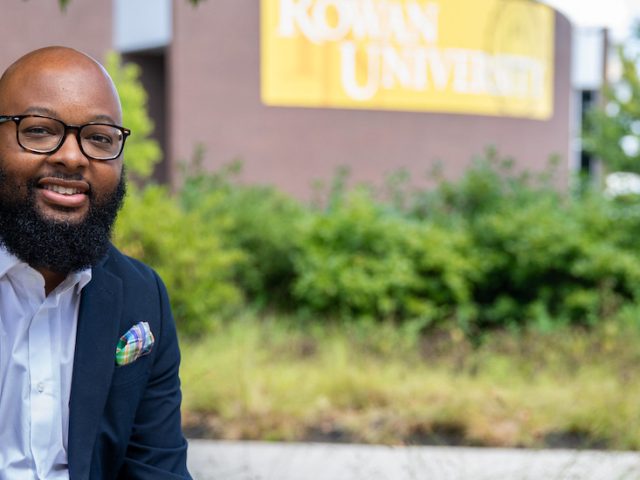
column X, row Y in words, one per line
column 93, row 365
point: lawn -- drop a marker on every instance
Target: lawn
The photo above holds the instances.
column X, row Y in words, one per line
column 278, row 379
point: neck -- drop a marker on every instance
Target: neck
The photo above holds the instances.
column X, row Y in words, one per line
column 51, row 279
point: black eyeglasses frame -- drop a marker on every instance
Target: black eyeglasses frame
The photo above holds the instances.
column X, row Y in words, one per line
column 18, row 118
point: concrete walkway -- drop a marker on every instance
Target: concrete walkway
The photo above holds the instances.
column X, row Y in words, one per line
column 210, row 460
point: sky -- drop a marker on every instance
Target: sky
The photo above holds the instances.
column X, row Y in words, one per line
column 617, row 15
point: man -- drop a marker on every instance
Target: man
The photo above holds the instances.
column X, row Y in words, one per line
column 89, row 357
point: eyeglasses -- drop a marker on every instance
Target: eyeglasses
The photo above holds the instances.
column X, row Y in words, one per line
column 39, row 134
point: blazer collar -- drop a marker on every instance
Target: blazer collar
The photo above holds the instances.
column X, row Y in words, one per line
column 93, row 365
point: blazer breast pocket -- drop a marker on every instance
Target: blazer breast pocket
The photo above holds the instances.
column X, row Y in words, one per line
column 131, row 374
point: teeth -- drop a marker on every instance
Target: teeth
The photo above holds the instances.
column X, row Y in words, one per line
column 62, row 190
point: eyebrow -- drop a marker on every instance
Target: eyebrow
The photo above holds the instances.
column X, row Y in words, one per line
column 40, row 111
column 52, row 113
column 104, row 118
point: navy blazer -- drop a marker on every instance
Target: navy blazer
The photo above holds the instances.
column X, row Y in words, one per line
column 124, row 422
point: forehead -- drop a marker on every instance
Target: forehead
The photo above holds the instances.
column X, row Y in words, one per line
column 75, row 92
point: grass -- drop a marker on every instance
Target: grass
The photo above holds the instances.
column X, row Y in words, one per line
column 270, row 379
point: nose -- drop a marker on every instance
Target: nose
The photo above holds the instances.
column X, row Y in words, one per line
column 69, row 154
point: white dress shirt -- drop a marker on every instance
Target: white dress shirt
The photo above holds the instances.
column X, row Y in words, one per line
column 37, row 342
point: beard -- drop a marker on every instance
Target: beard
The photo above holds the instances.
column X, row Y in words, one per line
column 59, row 246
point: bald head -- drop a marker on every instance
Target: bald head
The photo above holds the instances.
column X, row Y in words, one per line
column 49, row 57
column 70, row 75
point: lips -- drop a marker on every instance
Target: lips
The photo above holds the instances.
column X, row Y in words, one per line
column 59, row 192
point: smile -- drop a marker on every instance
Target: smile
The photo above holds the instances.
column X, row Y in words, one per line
column 62, row 190
column 59, row 193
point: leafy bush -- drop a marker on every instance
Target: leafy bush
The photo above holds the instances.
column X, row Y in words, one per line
column 188, row 253
column 497, row 248
column 493, row 250
column 142, row 152
column 541, row 256
column 360, row 259
column 184, row 246
column 263, row 224
column 447, row 270
column 352, row 260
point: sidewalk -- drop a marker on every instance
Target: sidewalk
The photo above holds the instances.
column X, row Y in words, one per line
column 212, row 460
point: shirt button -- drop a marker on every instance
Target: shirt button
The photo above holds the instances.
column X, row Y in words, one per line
column 40, row 387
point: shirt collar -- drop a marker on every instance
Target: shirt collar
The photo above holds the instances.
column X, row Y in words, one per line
column 9, row 261
column 82, row 278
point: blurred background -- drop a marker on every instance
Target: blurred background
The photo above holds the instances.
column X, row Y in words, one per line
column 383, row 221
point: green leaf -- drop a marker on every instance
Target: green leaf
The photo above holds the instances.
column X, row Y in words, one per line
column 141, row 152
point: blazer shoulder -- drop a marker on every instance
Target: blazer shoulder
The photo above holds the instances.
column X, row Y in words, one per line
column 128, row 269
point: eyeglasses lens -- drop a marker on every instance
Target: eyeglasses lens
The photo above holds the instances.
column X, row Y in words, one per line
column 40, row 134
column 101, row 141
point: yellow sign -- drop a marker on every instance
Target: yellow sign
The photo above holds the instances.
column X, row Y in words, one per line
column 486, row 57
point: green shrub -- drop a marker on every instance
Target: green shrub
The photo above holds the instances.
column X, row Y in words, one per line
column 541, row 256
column 446, row 271
column 187, row 251
column 526, row 253
column 141, row 152
column 352, row 260
column 264, row 224
column 497, row 248
column 184, row 246
column 360, row 259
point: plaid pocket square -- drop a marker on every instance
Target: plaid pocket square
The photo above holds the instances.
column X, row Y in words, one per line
column 134, row 344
